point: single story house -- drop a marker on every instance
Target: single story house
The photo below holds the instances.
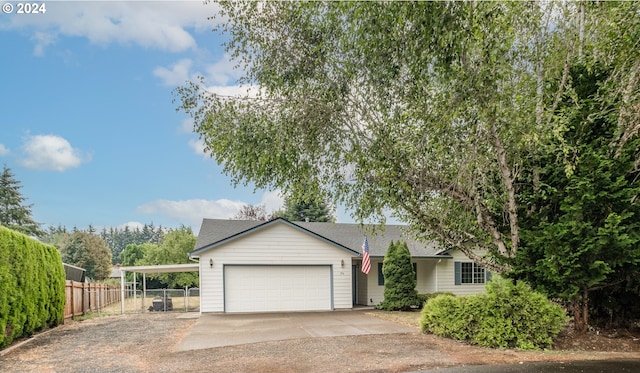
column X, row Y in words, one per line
column 278, row 265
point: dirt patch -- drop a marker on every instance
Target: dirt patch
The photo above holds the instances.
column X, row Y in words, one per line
column 147, row 342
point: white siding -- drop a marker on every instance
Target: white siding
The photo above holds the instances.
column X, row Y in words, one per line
column 426, row 280
column 362, row 292
column 375, row 291
column 426, row 271
column 273, row 245
column 446, row 276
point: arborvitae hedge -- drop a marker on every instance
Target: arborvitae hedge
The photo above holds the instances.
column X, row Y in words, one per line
column 32, row 281
column 399, row 279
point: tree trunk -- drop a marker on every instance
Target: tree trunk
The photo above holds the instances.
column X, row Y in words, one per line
column 581, row 312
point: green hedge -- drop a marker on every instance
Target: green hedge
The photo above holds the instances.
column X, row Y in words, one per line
column 424, row 298
column 32, row 286
column 507, row 315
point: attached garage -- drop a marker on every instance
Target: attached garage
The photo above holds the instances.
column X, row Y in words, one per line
column 273, row 266
column 277, row 288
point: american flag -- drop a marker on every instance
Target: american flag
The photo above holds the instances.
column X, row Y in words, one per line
column 366, row 261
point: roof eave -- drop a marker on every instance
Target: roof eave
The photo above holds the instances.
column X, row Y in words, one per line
column 196, row 253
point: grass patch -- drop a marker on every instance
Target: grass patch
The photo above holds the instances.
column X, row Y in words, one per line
column 408, row 318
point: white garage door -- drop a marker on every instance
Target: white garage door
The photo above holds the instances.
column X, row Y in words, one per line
column 277, row 288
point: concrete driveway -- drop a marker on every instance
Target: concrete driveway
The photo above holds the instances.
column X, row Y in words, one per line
column 218, row 330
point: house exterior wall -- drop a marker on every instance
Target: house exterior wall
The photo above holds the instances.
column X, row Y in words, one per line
column 427, row 276
column 362, row 291
column 433, row 275
column 278, row 244
column 446, row 276
column 375, row 292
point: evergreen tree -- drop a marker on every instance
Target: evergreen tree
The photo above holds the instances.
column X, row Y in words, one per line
column 14, row 214
column 118, row 239
column 581, row 230
column 296, row 209
column 399, row 279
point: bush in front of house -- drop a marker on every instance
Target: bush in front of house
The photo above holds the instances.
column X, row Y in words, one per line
column 424, row 298
column 32, row 281
column 507, row 315
column 399, row 279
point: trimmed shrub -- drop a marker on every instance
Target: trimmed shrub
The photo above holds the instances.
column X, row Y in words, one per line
column 507, row 315
column 32, row 281
column 399, row 279
column 424, row 298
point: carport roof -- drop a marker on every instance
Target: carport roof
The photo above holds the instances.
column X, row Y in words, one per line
column 163, row 268
column 349, row 236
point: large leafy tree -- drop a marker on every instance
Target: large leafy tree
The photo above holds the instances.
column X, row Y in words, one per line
column 173, row 249
column 87, row 251
column 429, row 109
column 14, row 213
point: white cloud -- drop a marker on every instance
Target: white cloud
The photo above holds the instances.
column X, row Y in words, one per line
column 50, row 152
column 3, row 150
column 223, row 71
column 151, row 24
column 43, row 40
column 235, row 90
column 221, row 74
column 192, row 211
column 178, row 74
column 272, row 201
column 133, row 225
column 187, row 125
column 198, row 147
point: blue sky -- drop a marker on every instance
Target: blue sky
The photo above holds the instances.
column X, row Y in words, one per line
column 87, row 122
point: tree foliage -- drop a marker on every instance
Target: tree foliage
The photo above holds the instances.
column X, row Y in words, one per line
column 253, row 212
column 14, row 214
column 119, row 238
column 581, row 230
column 314, row 210
column 173, row 249
column 507, row 315
column 444, row 113
column 429, row 109
column 399, row 279
column 87, row 251
column 32, row 292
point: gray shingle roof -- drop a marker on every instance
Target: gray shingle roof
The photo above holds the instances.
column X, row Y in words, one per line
column 349, row 236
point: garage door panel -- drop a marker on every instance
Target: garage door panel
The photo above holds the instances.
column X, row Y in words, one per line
column 277, row 288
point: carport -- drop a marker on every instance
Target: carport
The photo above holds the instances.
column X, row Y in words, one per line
column 161, row 268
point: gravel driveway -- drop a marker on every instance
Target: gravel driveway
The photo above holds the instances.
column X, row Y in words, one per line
column 148, row 343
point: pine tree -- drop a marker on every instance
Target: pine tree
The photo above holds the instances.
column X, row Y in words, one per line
column 14, row 214
column 399, row 279
column 306, row 210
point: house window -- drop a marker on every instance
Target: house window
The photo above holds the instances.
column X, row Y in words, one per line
column 381, row 275
column 469, row 273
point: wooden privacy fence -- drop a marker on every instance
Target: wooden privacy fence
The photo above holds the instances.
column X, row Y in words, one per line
column 83, row 297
